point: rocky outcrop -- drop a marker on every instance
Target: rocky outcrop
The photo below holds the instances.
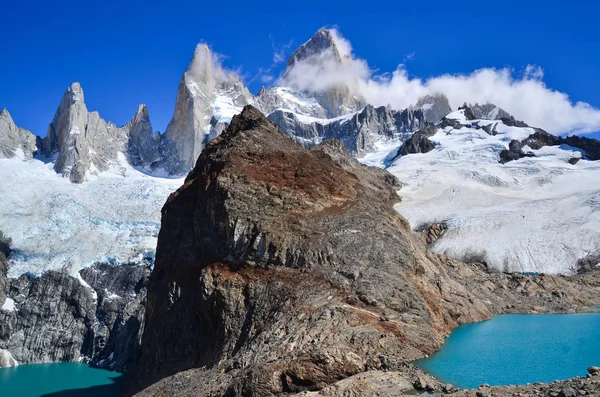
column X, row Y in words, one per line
column 590, row 147
column 514, row 152
column 14, row 139
column 283, row 269
column 418, row 142
column 4, row 252
column 488, row 111
column 96, row 316
column 83, row 143
column 580, row 386
column 359, row 132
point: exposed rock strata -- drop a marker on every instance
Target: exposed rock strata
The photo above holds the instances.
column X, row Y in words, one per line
column 57, row 317
column 282, row 269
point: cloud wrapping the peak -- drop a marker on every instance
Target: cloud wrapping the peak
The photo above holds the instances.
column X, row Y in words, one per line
column 344, row 47
column 527, row 97
column 207, row 68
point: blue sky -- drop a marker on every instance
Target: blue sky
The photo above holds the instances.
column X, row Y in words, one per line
column 130, row 52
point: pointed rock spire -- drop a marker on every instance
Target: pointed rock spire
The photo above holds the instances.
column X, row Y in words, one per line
column 143, row 146
column 84, row 143
column 14, row 139
column 204, row 90
column 323, row 40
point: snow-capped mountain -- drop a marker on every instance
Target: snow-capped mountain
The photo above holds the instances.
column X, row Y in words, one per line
column 539, row 212
column 478, row 171
column 81, row 144
column 323, row 48
column 207, row 99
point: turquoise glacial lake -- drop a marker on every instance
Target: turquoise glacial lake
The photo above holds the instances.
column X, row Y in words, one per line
column 517, row 349
column 58, row 380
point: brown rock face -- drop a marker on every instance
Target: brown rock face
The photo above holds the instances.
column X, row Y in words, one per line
column 283, row 269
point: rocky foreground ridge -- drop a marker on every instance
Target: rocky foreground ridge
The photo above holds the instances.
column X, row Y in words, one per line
column 282, row 269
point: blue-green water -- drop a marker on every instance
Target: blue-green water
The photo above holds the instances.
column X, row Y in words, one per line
column 518, row 349
column 58, row 380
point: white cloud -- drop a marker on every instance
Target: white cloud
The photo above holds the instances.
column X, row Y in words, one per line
column 527, row 98
column 279, row 51
column 207, row 67
column 266, row 79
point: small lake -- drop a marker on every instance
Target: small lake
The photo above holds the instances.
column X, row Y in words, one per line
column 517, row 349
column 58, row 380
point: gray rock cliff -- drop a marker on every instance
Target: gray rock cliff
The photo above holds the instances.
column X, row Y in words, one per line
column 196, row 119
column 96, row 317
column 13, row 138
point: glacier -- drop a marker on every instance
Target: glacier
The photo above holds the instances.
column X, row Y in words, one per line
column 536, row 214
column 56, row 224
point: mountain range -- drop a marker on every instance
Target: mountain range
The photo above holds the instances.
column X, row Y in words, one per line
column 467, row 172
column 80, row 143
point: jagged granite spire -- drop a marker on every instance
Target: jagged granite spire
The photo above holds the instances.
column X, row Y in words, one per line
column 84, row 143
column 323, row 40
column 13, row 138
column 143, row 144
column 207, row 98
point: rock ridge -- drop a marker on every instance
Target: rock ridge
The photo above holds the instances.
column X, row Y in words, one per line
column 284, row 269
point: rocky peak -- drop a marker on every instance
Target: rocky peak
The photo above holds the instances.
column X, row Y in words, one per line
column 84, row 143
column 324, row 51
column 488, row 111
column 141, row 114
column 200, row 74
column 435, row 107
column 143, row 145
column 322, row 41
column 207, row 97
column 13, row 138
column 75, row 92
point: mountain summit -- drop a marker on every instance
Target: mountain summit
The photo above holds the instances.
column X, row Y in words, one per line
column 324, row 40
column 324, row 51
column 207, row 98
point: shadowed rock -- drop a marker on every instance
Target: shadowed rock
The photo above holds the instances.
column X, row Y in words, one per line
column 283, row 269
